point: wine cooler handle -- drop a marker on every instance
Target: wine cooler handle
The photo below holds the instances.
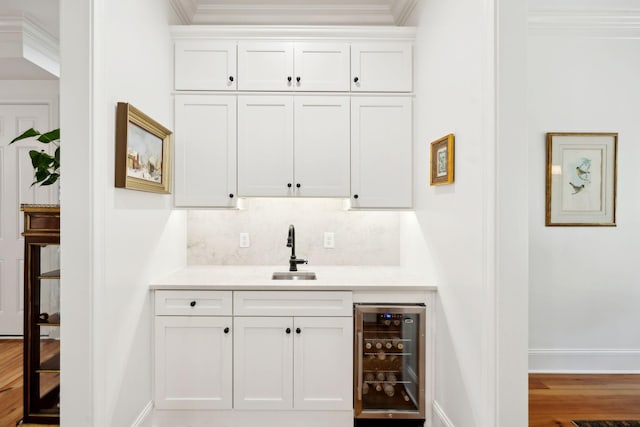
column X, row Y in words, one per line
column 360, row 366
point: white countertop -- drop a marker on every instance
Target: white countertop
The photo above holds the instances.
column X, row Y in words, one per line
column 259, row 278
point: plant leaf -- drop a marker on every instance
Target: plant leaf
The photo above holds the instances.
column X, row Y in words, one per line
column 52, row 135
column 52, row 178
column 29, row 133
column 35, row 158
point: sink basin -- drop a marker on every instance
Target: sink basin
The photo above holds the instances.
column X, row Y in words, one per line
column 294, row 275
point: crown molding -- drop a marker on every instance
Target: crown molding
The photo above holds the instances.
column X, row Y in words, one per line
column 605, row 23
column 291, row 12
column 297, row 32
column 22, row 38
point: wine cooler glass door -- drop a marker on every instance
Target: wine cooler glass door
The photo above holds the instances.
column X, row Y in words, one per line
column 389, row 349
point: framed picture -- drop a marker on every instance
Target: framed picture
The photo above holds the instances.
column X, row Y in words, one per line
column 143, row 151
column 442, row 160
column 581, row 179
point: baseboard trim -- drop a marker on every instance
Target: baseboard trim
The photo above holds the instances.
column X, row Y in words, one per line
column 623, row 361
column 442, row 416
column 142, row 417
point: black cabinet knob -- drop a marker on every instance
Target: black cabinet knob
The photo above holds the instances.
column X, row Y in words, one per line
column 288, row 330
column 226, row 330
column 231, row 195
column 230, row 78
column 192, row 303
column 289, row 78
column 289, row 185
column 298, row 79
column 355, row 79
column 298, row 330
column 355, row 196
column 298, row 185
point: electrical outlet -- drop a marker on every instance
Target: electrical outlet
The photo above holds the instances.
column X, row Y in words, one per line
column 329, row 239
column 245, row 242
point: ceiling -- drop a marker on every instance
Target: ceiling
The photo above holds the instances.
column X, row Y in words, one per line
column 294, row 12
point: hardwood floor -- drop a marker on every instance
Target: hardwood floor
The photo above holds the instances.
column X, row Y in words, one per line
column 11, row 380
column 556, row 399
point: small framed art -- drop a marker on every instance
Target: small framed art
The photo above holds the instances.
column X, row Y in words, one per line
column 143, row 151
column 581, row 179
column 442, row 163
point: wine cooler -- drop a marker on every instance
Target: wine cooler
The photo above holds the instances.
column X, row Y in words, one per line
column 389, row 374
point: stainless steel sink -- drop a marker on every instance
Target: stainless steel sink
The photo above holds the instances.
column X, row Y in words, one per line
column 294, row 275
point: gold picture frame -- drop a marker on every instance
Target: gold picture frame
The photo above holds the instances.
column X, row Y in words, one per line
column 581, row 179
column 442, row 160
column 143, row 151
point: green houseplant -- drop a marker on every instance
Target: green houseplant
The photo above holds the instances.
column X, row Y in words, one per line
column 46, row 167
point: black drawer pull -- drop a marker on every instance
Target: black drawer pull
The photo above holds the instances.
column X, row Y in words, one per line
column 226, row 330
column 192, row 303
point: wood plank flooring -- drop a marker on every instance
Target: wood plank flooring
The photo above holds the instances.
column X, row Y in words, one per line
column 11, row 380
column 556, row 399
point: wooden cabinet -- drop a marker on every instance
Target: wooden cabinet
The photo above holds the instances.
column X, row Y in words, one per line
column 297, row 361
column 205, row 65
column 293, row 146
column 41, row 379
column 205, row 150
column 381, row 67
column 285, row 66
column 193, row 350
column 381, row 152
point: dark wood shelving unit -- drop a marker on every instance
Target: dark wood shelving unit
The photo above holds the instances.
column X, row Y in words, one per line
column 41, row 273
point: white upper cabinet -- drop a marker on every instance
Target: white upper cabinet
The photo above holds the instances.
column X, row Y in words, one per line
column 286, row 66
column 293, row 145
column 205, row 65
column 381, row 152
column 381, row 67
column 205, row 150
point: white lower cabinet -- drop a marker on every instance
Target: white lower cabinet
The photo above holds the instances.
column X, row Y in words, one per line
column 280, row 356
column 193, row 362
column 293, row 363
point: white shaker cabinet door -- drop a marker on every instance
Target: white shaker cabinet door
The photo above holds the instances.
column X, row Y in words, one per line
column 381, row 67
column 263, row 372
column 193, row 362
column 205, row 150
column 205, row 65
column 323, row 363
column 265, row 145
column 265, row 65
column 321, row 67
column 381, row 152
column 321, row 166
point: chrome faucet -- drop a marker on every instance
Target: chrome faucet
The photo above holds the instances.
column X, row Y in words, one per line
column 291, row 243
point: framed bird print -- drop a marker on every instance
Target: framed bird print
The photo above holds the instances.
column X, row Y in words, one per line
column 581, row 179
column 442, row 166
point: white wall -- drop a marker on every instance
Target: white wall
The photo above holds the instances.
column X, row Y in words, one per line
column 476, row 228
column 584, row 289
column 114, row 241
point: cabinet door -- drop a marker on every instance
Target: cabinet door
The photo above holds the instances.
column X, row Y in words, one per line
column 321, row 66
column 321, row 165
column 265, row 145
column 381, row 67
column 205, row 65
column 193, row 362
column 323, row 363
column 381, row 152
column 265, row 66
column 263, row 364
column 205, row 150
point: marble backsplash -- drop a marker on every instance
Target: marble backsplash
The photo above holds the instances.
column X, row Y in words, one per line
column 361, row 237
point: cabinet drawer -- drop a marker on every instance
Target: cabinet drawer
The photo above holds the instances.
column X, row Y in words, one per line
column 302, row 303
column 193, row 303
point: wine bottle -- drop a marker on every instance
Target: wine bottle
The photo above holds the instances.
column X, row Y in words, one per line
column 391, row 378
column 405, row 396
column 369, row 377
column 379, row 345
column 388, row 345
column 365, row 388
column 381, row 355
column 378, row 386
column 368, row 345
column 389, row 390
column 380, row 376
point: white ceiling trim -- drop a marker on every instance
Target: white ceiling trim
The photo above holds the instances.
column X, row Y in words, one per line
column 288, row 12
column 21, row 38
column 618, row 23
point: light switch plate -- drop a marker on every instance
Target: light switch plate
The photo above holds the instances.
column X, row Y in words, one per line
column 245, row 242
column 329, row 239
